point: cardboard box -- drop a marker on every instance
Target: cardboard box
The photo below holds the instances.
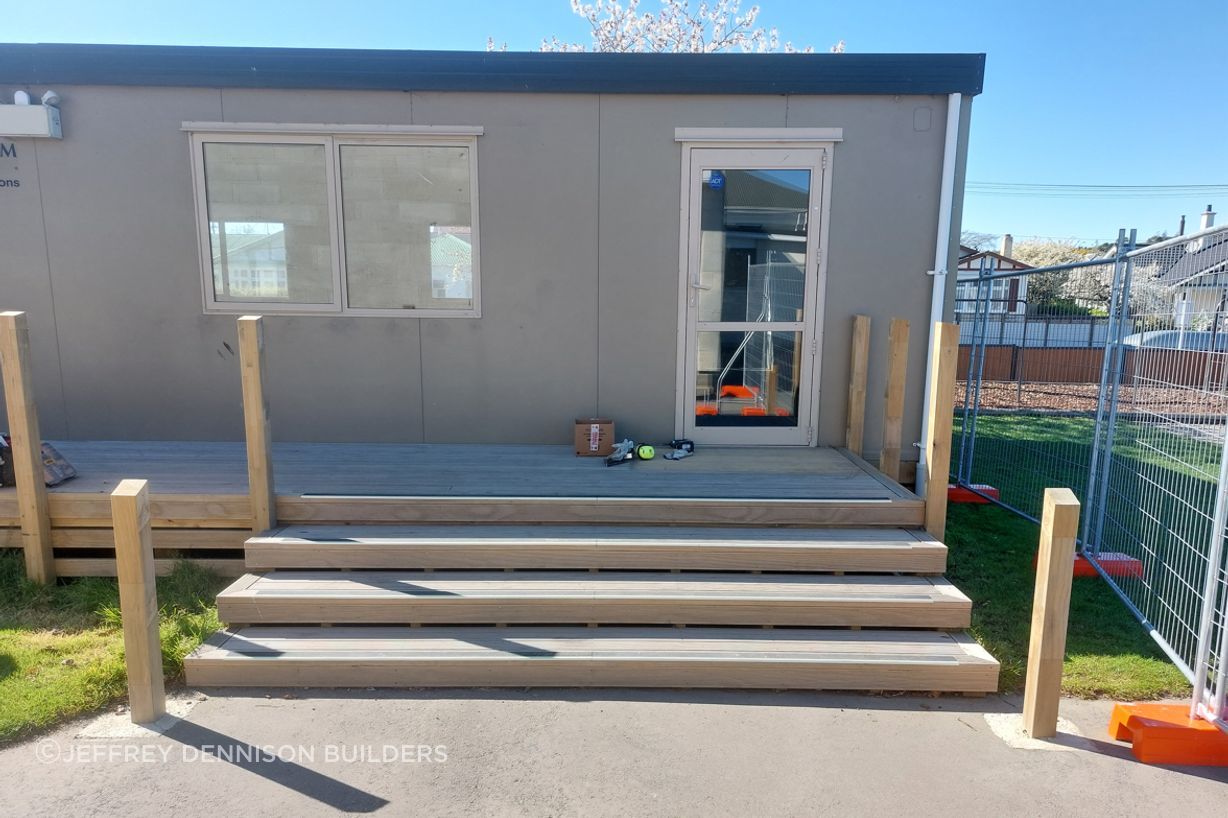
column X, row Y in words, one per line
column 594, row 437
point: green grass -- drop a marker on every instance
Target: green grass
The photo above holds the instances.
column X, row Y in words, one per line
column 1108, row 654
column 61, row 647
column 1023, row 454
column 1158, row 508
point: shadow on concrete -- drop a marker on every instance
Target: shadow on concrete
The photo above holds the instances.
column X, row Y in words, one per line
column 884, row 703
column 1122, row 752
column 293, row 776
column 893, row 702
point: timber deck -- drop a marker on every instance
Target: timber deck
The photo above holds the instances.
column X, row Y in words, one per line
column 462, row 565
column 475, row 470
column 201, row 507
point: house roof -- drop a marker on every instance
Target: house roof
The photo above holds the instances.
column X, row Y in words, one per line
column 45, row 64
column 977, row 255
column 1203, row 263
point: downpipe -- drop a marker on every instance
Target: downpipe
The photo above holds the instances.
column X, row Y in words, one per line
column 942, row 250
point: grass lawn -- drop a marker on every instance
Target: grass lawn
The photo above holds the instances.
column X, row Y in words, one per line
column 1023, row 454
column 1158, row 506
column 61, row 647
column 1107, row 652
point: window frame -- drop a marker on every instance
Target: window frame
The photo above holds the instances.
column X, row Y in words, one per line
column 332, row 139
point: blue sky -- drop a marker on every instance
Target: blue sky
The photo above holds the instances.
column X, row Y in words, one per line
column 1100, row 92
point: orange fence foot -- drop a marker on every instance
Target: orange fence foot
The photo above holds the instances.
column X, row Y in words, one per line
column 1114, row 564
column 1165, row 734
column 960, row 494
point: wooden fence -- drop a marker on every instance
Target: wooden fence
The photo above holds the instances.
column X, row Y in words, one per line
column 1171, row 367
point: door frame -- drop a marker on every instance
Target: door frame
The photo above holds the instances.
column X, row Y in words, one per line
column 821, row 140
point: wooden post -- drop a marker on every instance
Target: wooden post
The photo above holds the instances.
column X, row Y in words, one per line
column 27, row 449
column 893, row 414
column 773, row 379
column 138, row 600
column 1050, row 612
column 854, row 430
column 256, row 424
column 944, row 359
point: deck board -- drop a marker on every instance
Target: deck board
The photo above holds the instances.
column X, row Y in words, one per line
column 565, row 657
column 653, row 598
column 597, row 546
column 465, row 470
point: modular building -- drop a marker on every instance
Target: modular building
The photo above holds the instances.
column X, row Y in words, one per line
column 472, row 247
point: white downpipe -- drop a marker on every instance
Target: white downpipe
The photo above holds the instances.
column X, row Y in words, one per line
column 942, row 249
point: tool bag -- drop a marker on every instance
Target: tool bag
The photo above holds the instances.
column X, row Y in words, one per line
column 55, row 468
column 7, row 478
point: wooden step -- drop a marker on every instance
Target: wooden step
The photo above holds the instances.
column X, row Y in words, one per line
column 594, row 657
column 398, row 597
column 613, row 547
column 869, row 505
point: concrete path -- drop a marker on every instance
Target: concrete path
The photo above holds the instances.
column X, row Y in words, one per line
column 590, row 753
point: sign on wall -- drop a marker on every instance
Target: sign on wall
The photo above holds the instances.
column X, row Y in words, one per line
column 8, row 166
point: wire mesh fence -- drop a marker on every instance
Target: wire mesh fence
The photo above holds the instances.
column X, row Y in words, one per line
column 1032, row 356
column 1129, row 409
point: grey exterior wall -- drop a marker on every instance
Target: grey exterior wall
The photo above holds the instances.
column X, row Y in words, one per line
column 579, row 200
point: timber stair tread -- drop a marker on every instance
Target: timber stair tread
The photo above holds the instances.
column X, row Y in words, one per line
column 389, row 656
column 612, row 547
column 582, row 597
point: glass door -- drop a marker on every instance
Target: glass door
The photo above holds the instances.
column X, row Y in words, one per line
column 752, row 270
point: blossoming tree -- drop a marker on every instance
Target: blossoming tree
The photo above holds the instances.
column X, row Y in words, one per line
column 676, row 27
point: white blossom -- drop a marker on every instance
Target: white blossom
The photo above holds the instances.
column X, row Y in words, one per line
column 716, row 25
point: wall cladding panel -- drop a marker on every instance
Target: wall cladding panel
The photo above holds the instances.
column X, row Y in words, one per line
column 25, row 280
column 528, row 366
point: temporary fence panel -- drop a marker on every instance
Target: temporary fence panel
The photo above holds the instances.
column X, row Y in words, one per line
column 1134, row 421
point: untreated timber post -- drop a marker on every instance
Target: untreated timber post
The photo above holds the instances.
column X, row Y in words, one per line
column 138, row 600
column 773, row 379
column 1050, row 613
column 27, row 450
column 859, row 363
column 893, row 413
column 256, row 424
column 944, row 358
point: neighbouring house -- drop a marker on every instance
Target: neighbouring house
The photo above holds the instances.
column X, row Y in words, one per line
column 477, row 247
column 1008, row 296
column 1195, row 279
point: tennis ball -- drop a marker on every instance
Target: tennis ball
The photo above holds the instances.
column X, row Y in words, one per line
column 646, row 452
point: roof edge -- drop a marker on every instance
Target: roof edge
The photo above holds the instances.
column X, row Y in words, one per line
column 43, row 64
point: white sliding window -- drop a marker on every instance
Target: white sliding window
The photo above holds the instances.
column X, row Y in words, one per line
column 338, row 223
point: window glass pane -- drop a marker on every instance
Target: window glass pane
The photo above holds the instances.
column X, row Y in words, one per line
column 752, row 254
column 268, row 222
column 408, row 227
column 747, row 378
